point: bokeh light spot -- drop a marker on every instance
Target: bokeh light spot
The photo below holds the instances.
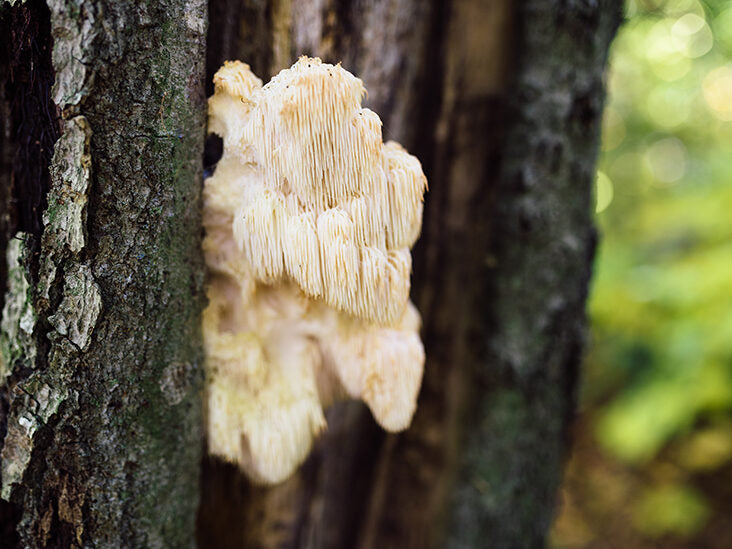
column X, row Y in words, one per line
column 603, row 192
column 666, row 159
column 717, row 88
column 688, row 24
column 691, row 35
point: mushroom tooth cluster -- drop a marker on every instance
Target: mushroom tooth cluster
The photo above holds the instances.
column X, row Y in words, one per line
column 309, row 218
column 325, row 170
column 381, row 366
column 228, row 108
column 309, row 126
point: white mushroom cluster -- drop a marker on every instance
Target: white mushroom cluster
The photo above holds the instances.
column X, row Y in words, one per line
column 309, row 219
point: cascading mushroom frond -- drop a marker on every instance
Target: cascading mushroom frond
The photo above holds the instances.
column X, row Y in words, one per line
column 309, row 219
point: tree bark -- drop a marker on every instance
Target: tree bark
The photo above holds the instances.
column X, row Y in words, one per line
column 502, row 102
column 100, row 161
column 100, row 412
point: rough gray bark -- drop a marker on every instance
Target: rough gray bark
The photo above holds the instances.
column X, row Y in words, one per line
column 501, row 101
column 100, row 415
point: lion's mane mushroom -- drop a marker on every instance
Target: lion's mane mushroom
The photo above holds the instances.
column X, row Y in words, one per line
column 309, row 218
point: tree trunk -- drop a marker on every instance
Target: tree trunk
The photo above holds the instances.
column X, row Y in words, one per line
column 100, row 412
column 100, row 160
column 502, row 102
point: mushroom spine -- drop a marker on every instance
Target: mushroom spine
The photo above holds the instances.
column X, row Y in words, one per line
column 309, row 219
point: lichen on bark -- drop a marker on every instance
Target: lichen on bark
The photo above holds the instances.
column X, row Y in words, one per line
column 75, row 27
column 19, row 319
column 74, row 317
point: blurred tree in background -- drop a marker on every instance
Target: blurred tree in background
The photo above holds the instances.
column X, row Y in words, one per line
column 653, row 445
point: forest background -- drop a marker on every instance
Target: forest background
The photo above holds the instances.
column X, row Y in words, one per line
column 651, row 462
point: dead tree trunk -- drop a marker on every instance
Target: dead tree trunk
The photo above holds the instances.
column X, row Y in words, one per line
column 501, row 101
column 100, row 414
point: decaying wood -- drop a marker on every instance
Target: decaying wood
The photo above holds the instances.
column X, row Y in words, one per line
column 501, row 101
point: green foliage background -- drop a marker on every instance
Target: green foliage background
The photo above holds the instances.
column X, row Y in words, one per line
column 657, row 390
